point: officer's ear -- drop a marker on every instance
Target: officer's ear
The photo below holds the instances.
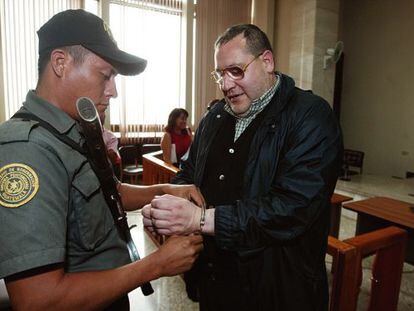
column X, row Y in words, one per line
column 58, row 61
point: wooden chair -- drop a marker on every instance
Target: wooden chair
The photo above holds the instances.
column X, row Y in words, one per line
column 388, row 245
column 352, row 163
column 131, row 167
column 344, row 290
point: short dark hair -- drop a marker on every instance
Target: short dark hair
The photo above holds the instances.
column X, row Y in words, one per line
column 256, row 40
column 172, row 118
column 78, row 53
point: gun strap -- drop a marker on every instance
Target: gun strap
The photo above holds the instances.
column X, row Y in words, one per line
column 27, row 116
column 71, row 143
column 132, row 250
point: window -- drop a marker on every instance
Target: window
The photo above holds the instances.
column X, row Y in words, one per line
column 91, row 6
column 151, row 30
column 19, row 45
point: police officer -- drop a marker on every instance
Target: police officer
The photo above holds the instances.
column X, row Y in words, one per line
column 59, row 246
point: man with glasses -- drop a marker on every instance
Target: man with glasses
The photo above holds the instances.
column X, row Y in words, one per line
column 266, row 159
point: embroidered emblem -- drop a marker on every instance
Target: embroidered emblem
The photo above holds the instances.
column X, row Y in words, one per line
column 18, row 184
column 109, row 32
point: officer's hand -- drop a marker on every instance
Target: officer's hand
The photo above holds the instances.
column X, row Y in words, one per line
column 178, row 254
column 170, row 215
column 146, row 213
column 189, row 192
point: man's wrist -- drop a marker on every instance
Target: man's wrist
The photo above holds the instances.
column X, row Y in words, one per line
column 208, row 227
column 202, row 217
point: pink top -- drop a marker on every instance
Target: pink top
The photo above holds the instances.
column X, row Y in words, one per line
column 111, row 142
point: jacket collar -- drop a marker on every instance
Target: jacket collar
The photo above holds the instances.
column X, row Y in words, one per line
column 278, row 103
column 281, row 98
column 57, row 118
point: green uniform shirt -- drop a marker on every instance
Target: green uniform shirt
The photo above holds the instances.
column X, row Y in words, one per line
column 52, row 209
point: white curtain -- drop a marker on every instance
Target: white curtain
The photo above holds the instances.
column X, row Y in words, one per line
column 20, row 19
column 150, row 29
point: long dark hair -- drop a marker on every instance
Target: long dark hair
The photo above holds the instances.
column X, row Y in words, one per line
column 172, row 118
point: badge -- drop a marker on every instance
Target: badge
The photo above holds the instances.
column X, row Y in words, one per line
column 109, row 32
column 18, row 184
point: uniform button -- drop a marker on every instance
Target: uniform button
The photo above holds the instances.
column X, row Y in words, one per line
column 221, row 177
column 231, row 150
column 218, row 116
column 273, row 126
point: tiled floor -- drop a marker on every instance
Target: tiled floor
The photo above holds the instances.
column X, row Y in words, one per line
column 170, row 292
column 368, row 186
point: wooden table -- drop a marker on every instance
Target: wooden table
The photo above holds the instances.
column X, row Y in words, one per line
column 381, row 212
column 336, row 204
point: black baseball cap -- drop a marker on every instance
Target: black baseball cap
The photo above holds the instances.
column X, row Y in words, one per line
column 78, row 27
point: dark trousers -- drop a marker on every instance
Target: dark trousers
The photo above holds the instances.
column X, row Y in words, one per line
column 221, row 289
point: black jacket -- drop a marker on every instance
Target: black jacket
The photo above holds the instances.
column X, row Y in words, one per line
column 279, row 228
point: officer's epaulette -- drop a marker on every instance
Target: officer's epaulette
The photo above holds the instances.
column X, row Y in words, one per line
column 15, row 130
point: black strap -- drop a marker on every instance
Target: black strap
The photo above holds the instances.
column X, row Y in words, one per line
column 26, row 116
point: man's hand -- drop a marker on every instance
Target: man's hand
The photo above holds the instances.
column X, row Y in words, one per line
column 189, row 192
column 170, row 215
column 178, row 254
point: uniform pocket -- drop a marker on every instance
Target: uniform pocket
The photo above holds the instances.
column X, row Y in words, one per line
column 86, row 182
column 90, row 209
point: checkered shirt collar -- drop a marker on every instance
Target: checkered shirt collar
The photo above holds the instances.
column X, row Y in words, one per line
column 258, row 104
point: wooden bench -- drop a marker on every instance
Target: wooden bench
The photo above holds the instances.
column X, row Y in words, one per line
column 388, row 246
column 381, row 212
column 155, row 170
column 336, row 206
column 344, row 289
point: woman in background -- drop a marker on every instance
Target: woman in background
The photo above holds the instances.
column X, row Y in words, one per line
column 177, row 137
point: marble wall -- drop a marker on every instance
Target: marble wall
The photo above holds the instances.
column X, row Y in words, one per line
column 304, row 30
column 263, row 16
column 326, row 36
column 377, row 110
column 302, row 42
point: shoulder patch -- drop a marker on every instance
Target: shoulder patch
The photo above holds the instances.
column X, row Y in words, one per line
column 19, row 183
column 16, row 130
